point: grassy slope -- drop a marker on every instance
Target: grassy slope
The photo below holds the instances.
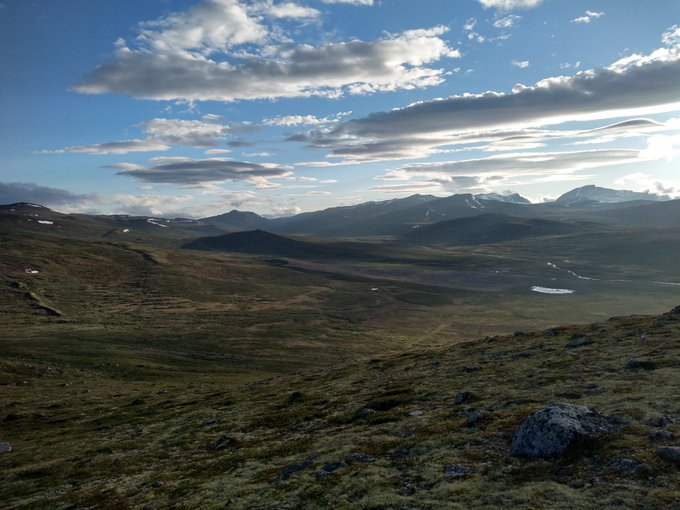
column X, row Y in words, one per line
column 105, row 404
column 82, row 438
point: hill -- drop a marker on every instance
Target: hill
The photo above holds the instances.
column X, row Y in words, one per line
column 427, row 428
column 604, row 195
column 264, row 243
column 490, row 229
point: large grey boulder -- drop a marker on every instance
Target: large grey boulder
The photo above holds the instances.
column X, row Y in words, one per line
column 553, row 429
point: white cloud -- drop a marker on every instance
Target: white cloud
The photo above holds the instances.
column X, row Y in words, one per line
column 671, row 37
column 510, row 5
column 303, row 120
column 120, row 147
column 220, row 50
column 588, row 17
column 662, row 147
column 645, row 183
column 527, row 163
column 284, row 10
column 635, row 85
column 216, row 152
column 507, row 22
column 350, row 2
column 193, row 133
column 522, row 64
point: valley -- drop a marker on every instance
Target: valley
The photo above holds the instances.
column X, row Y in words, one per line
column 126, row 333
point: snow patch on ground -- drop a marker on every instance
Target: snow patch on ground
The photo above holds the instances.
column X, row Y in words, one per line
column 668, row 283
column 126, row 230
column 548, row 290
column 46, row 222
column 156, row 222
column 31, row 271
column 572, row 273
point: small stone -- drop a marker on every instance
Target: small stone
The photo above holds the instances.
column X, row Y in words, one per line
column 463, row 398
column 289, row 471
column 661, row 435
column 365, row 413
column 474, row 417
column 669, row 454
column 519, row 333
column 362, row 458
column 408, row 488
column 471, row 368
column 333, row 466
column 662, row 421
column 294, row 397
column 210, row 423
column 551, row 332
column 220, row 443
column 456, row 471
column 577, row 342
column 636, row 364
column 5, row 447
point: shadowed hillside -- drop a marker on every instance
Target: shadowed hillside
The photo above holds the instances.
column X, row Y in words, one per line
column 425, row 429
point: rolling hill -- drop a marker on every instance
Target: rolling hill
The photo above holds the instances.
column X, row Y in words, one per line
column 490, row 229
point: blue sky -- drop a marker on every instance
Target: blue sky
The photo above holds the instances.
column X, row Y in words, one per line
column 193, row 108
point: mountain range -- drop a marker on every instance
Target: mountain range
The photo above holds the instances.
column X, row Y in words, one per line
column 502, row 217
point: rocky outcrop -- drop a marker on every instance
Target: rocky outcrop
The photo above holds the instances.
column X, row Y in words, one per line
column 552, row 430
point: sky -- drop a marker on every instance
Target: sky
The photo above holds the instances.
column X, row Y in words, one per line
column 193, row 108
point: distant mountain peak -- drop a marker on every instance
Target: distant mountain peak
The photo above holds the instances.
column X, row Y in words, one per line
column 511, row 198
column 23, row 205
column 594, row 193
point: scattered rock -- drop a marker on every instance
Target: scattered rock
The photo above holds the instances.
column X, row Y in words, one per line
column 523, row 354
column 289, row 471
column 5, row 447
column 333, row 466
column 669, row 454
column 415, row 413
column 551, row 332
column 520, row 333
column 474, row 417
column 575, row 343
column 210, row 423
column 662, row 421
column 471, row 368
column 463, row 398
column 365, row 413
column 220, row 443
column 661, row 435
column 553, row 429
column 157, row 484
column 137, row 401
column 294, row 397
column 636, row 364
column 408, row 488
column 456, row 471
column 625, row 464
column 361, row 457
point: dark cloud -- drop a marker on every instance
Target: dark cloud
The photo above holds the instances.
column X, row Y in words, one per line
column 636, row 84
column 189, row 172
column 43, row 195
